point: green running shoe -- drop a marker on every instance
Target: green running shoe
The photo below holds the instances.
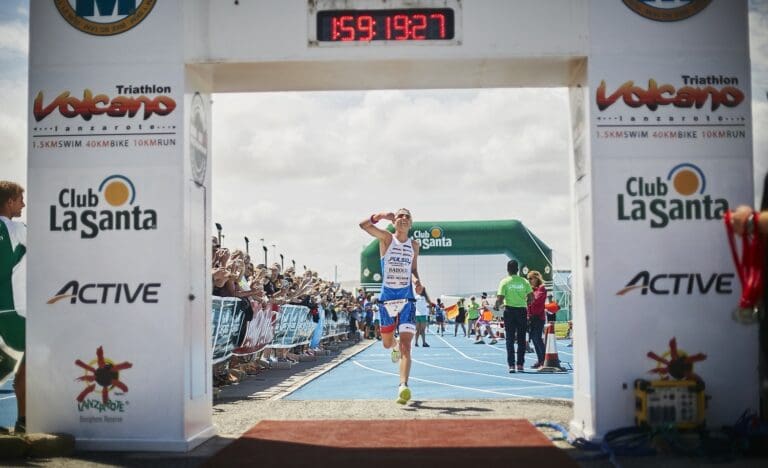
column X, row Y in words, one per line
column 403, row 394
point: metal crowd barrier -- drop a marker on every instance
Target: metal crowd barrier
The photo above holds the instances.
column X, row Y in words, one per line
column 226, row 325
column 294, row 327
column 337, row 328
column 289, row 326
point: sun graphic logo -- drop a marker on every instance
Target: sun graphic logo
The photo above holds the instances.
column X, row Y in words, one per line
column 666, row 10
column 117, row 190
column 676, row 363
column 681, row 196
column 687, row 179
column 104, row 17
column 105, row 373
column 432, row 237
column 110, row 207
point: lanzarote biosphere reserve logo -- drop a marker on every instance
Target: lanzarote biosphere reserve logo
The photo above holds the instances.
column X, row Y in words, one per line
column 111, row 207
column 434, row 237
column 102, row 378
column 667, row 10
column 104, row 17
column 680, row 196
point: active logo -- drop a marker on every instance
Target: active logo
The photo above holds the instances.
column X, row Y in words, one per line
column 107, row 293
column 110, row 207
column 680, row 196
column 666, row 10
column 679, row 284
column 434, row 237
column 104, row 17
column 105, row 373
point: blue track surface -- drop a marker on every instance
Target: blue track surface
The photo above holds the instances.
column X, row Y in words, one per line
column 451, row 368
column 7, row 404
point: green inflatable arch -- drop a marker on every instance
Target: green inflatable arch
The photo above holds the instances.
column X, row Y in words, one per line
column 508, row 237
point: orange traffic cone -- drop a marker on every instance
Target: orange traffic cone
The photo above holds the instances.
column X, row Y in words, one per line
column 551, row 359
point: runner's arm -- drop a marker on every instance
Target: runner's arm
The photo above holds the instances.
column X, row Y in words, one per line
column 369, row 225
column 415, row 269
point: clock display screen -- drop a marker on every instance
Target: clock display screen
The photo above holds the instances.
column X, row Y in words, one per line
column 422, row 24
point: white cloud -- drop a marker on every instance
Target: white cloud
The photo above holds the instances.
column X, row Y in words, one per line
column 14, row 38
column 310, row 166
column 13, row 130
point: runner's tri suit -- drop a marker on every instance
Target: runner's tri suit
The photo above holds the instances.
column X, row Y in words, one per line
column 397, row 299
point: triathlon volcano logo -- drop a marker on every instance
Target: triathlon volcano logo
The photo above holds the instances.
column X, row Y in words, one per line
column 105, row 373
column 434, row 237
column 680, row 196
column 111, row 207
column 104, row 17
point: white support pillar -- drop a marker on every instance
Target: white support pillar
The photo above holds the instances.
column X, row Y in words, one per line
column 119, row 295
column 671, row 148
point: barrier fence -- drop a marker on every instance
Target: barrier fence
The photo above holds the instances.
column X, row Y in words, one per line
column 283, row 327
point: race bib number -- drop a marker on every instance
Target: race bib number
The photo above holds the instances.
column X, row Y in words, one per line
column 395, row 306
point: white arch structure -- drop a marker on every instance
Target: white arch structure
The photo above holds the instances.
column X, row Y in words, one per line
column 119, row 183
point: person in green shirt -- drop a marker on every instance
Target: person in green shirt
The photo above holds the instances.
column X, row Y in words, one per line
column 13, row 294
column 515, row 293
column 473, row 313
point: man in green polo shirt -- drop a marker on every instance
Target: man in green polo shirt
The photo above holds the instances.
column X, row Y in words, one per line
column 515, row 293
column 12, row 292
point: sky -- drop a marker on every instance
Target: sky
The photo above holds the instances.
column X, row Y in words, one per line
column 301, row 170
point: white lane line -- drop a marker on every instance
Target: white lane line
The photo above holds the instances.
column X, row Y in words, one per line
column 531, row 358
column 497, row 364
column 503, row 377
column 446, row 384
column 7, row 397
column 470, row 358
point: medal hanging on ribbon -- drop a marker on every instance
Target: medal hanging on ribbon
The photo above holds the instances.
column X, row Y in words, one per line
column 749, row 267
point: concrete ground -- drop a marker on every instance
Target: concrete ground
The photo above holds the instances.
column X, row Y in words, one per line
column 238, row 407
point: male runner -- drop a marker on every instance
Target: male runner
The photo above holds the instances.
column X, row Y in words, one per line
column 400, row 279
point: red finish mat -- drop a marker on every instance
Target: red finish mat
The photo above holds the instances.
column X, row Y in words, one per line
column 465, row 443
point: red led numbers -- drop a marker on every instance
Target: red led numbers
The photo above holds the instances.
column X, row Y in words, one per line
column 387, row 25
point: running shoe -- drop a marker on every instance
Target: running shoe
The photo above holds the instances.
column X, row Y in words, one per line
column 395, row 352
column 511, row 369
column 403, row 394
column 479, row 342
column 426, row 345
column 494, row 341
column 21, row 424
column 536, row 366
column 520, row 368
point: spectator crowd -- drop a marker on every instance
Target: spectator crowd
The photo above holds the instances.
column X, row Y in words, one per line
column 259, row 288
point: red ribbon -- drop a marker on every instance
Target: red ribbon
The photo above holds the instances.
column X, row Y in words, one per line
column 750, row 266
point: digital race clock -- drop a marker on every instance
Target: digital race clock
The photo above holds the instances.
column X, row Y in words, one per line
column 420, row 24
